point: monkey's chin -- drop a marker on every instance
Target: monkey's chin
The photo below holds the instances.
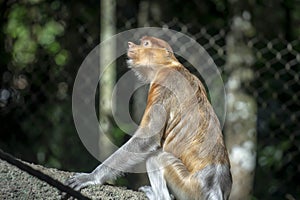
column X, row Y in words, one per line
column 137, row 71
column 130, row 63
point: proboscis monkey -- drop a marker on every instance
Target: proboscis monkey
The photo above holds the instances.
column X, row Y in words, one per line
column 179, row 136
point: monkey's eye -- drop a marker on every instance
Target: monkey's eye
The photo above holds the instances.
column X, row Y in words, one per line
column 146, row 43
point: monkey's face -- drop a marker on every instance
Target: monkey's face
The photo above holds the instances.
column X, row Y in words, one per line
column 151, row 55
column 144, row 55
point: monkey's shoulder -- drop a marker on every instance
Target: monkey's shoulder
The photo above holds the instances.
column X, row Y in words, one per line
column 173, row 75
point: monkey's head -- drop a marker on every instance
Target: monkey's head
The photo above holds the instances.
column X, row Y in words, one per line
column 149, row 56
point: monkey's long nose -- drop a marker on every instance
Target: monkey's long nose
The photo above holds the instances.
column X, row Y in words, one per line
column 131, row 44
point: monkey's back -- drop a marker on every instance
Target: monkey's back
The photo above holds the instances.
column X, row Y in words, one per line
column 193, row 132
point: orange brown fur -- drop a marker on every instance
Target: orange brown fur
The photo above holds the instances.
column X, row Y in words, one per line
column 197, row 144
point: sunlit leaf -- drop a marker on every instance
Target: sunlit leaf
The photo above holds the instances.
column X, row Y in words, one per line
column 54, row 47
column 61, row 57
column 24, row 51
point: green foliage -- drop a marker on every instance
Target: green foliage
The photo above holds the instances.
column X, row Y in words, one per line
column 41, row 127
column 31, row 27
column 24, row 46
column 271, row 156
column 50, row 136
column 46, row 34
column 61, row 58
column 33, row 32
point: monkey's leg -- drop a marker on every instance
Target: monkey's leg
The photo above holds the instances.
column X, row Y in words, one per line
column 213, row 182
column 158, row 189
column 180, row 182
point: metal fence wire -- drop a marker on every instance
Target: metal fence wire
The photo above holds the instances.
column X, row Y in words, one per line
column 44, row 95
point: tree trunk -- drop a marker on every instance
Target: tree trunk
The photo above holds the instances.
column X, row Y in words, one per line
column 107, row 73
column 240, row 125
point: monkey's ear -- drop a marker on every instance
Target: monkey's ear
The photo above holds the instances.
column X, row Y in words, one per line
column 144, row 38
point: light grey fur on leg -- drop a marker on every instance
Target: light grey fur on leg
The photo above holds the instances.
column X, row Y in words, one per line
column 158, row 189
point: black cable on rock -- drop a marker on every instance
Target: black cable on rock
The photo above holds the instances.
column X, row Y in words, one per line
column 44, row 177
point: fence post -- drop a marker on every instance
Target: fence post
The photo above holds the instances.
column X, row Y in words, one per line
column 240, row 125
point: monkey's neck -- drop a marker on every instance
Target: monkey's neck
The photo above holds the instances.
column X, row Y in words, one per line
column 145, row 74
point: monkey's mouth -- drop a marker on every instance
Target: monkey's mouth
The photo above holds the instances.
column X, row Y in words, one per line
column 130, row 53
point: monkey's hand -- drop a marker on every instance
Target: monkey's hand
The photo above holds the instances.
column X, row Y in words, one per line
column 81, row 180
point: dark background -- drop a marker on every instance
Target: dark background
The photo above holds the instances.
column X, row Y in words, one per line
column 44, row 42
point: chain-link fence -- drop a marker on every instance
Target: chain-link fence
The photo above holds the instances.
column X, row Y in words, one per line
column 276, row 90
column 37, row 95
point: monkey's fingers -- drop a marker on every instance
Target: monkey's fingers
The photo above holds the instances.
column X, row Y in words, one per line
column 79, row 181
column 73, row 183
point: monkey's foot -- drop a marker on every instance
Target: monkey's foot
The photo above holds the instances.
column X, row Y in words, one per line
column 150, row 194
column 148, row 191
column 80, row 180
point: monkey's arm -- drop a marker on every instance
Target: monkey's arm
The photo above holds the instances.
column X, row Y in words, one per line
column 136, row 150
